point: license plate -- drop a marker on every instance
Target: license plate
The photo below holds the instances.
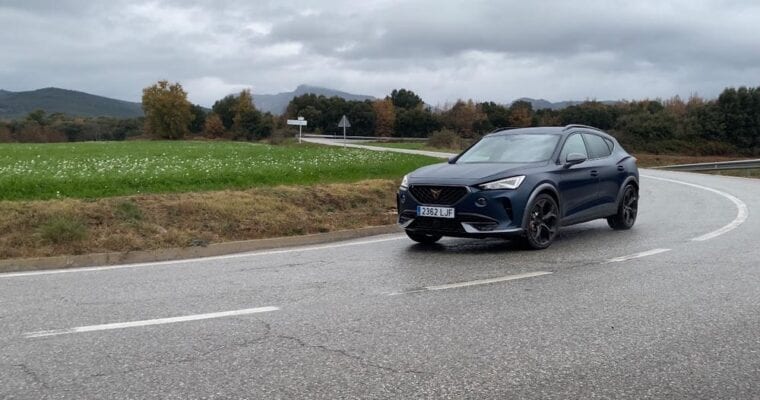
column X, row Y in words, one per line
column 435, row 212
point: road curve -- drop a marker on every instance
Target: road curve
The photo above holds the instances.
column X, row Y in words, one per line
column 646, row 313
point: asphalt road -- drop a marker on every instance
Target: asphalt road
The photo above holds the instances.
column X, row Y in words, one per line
column 385, row 318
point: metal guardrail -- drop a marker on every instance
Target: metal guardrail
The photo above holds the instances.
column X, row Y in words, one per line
column 368, row 138
column 714, row 166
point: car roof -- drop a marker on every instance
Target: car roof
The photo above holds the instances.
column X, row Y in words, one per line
column 557, row 130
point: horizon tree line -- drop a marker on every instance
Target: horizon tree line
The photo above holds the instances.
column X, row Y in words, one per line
column 727, row 125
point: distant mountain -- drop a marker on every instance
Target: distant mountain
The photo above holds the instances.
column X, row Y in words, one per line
column 69, row 102
column 277, row 103
column 539, row 104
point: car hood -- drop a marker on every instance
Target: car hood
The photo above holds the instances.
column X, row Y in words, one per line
column 469, row 173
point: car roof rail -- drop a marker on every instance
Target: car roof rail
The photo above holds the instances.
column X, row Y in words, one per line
column 505, row 128
column 571, row 126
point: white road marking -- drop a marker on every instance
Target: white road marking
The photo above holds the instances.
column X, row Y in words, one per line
column 473, row 283
column 637, row 255
column 195, row 260
column 148, row 322
column 742, row 212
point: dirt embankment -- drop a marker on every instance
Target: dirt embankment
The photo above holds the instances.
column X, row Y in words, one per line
column 72, row 226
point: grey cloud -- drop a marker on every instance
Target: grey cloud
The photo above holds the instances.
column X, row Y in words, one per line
column 493, row 50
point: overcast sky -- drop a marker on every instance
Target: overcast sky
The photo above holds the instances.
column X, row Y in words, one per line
column 443, row 50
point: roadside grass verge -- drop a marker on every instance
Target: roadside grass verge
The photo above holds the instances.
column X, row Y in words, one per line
column 411, row 146
column 743, row 173
column 658, row 160
column 145, row 222
column 105, row 169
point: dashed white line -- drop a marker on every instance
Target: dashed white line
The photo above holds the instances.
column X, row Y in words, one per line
column 195, row 260
column 472, row 283
column 742, row 212
column 638, row 255
column 148, row 322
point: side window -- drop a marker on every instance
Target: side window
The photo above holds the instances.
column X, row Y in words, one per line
column 597, row 147
column 610, row 144
column 574, row 144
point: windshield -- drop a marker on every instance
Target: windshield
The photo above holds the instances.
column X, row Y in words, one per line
column 511, row 148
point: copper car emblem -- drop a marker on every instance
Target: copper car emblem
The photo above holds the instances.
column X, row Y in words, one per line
column 435, row 193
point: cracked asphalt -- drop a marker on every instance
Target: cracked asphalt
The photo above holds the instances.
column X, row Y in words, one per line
column 681, row 324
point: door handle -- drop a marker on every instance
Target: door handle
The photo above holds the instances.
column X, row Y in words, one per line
column 621, row 168
column 594, row 173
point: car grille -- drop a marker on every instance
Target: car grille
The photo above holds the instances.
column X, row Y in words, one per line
column 439, row 195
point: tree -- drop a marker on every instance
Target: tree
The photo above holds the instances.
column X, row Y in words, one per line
column 497, row 115
column 167, row 111
column 225, row 109
column 213, row 127
column 385, row 117
column 246, row 117
column 520, row 114
column 416, row 122
column 405, row 99
column 37, row 116
column 199, row 118
column 463, row 118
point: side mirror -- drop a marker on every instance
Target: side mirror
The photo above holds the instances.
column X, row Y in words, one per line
column 452, row 159
column 574, row 158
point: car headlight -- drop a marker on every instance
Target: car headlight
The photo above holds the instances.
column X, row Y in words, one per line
column 405, row 182
column 507, row 183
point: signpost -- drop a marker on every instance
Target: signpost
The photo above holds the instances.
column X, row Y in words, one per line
column 344, row 124
column 301, row 123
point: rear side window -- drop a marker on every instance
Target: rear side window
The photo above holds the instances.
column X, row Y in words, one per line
column 610, row 144
column 597, row 146
column 574, row 144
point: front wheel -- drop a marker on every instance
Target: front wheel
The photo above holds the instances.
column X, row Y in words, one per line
column 424, row 238
column 543, row 223
column 627, row 210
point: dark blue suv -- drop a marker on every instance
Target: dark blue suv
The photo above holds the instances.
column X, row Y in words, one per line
column 522, row 183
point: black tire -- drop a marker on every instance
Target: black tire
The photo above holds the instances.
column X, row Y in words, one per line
column 424, row 238
column 542, row 224
column 628, row 209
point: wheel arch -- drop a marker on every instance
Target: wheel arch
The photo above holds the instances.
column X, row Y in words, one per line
column 542, row 188
column 629, row 180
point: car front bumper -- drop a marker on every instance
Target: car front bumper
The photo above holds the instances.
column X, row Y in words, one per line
column 478, row 213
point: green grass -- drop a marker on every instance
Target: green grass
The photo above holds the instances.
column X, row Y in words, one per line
column 104, row 169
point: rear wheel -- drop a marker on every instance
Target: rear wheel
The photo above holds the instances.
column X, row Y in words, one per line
column 543, row 222
column 627, row 210
column 425, row 238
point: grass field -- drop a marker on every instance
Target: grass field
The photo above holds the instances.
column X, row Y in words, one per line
column 104, row 169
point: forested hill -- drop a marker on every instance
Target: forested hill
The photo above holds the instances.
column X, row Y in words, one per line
column 70, row 102
column 277, row 103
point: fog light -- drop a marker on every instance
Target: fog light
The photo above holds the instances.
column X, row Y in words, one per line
column 481, row 202
column 402, row 198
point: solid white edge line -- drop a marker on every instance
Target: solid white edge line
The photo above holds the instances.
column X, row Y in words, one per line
column 149, row 322
column 473, row 283
column 638, row 255
column 195, row 260
column 742, row 211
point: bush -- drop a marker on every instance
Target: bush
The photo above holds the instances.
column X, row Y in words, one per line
column 445, row 139
column 63, row 230
column 279, row 136
column 128, row 210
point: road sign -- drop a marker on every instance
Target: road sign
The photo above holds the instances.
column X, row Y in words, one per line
column 344, row 124
column 297, row 122
column 300, row 122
